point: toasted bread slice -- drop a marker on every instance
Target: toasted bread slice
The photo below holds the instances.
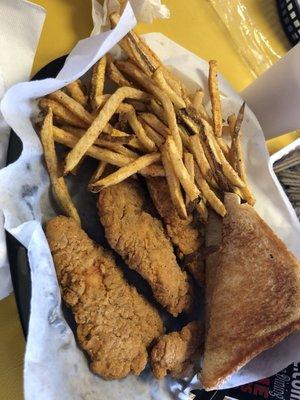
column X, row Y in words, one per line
column 256, row 294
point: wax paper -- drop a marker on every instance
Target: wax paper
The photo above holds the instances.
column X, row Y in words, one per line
column 54, row 365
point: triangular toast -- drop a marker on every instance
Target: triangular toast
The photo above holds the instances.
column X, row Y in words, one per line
column 255, row 299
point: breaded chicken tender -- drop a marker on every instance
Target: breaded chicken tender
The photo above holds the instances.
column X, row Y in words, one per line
column 140, row 239
column 176, row 352
column 115, row 324
column 184, row 233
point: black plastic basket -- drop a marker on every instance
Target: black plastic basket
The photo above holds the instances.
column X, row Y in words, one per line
column 289, row 12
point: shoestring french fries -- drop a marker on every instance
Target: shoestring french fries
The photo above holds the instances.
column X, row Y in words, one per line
column 150, row 125
column 76, row 90
column 59, row 186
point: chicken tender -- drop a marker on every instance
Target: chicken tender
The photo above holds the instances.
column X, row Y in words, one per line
column 184, row 233
column 115, row 324
column 140, row 239
column 176, row 352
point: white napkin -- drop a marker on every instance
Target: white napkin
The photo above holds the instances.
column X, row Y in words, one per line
column 21, row 23
column 144, row 11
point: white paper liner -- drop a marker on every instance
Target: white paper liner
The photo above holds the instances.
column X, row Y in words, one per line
column 54, row 366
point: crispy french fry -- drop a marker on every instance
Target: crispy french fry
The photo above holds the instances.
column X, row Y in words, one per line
column 58, row 184
column 98, row 172
column 137, row 105
column 184, row 135
column 180, row 170
column 215, row 97
column 97, row 83
column 116, row 139
column 197, row 101
column 116, row 76
column 208, row 194
column 99, row 123
column 151, row 133
column 109, row 133
column 149, row 57
column 235, row 127
column 197, row 98
column 216, row 167
column 70, row 140
column 143, row 80
column 137, row 53
column 136, row 126
column 75, row 90
column 116, row 147
column 152, row 60
column 136, row 49
column 135, row 143
column 72, row 129
column 158, row 77
column 155, row 124
column 236, row 155
column 173, row 183
column 158, row 110
column 239, row 120
column 201, row 159
column 153, row 170
column 224, row 147
column 64, row 115
column 231, row 123
column 227, row 169
column 188, row 160
column 72, row 105
column 189, row 122
column 125, row 172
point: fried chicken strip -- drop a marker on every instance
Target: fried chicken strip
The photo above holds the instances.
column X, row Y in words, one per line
column 184, row 234
column 140, row 239
column 176, row 352
column 115, row 324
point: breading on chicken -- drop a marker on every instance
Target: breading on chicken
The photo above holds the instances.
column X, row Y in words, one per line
column 115, row 324
column 176, row 352
column 184, row 233
column 140, row 239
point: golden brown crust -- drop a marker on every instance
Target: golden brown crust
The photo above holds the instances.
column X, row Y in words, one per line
column 184, row 233
column 115, row 325
column 256, row 298
column 176, row 352
column 140, row 239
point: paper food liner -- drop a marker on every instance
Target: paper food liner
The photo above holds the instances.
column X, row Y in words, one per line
column 54, row 366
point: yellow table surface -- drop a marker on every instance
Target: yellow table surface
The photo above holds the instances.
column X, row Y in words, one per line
column 195, row 26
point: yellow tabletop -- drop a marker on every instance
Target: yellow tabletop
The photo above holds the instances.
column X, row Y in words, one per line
column 195, row 26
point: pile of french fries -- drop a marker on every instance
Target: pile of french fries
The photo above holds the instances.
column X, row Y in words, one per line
column 150, row 125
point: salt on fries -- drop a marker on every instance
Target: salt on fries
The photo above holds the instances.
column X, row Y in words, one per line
column 59, row 187
column 237, row 157
column 173, row 183
column 157, row 131
column 99, row 123
column 136, row 74
column 125, row 172
column 97, row 83
column 64, row 115
column 215, row 97
column 75, row 90
column 72, row 105
column 114, row 74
